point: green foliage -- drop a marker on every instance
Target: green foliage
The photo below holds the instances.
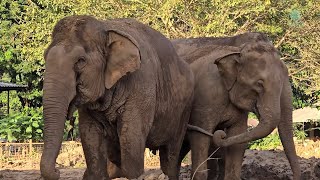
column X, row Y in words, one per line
column 22, row 126
column 252, row 116
column 272, row 141
column 25, row 29
column 293, row 26
column 28, row 124
column 300, row 134
column 68, row 126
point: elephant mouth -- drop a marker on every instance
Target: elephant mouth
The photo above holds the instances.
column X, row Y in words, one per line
column 255, row 110
column 75, row 103
column 71, row 109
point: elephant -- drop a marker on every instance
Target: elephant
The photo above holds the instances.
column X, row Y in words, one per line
column 131, row 91
column 234, row 76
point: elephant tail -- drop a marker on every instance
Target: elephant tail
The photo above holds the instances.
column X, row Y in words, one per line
column 198, row 129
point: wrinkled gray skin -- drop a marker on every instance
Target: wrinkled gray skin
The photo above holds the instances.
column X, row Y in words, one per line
column 131, row 91
column 244, row 74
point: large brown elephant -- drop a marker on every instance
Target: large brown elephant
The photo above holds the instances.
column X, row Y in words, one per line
column 130, row 88
column 234, row 76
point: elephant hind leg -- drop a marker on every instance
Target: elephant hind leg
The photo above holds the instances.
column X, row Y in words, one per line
column 163, row 153
column 169, row 158
column 173, row 153
column 184, row 150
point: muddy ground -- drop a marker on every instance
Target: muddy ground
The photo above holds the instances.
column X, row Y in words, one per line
column 266, row 165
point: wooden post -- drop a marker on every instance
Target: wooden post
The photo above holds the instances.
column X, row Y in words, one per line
column 1, row 150
column 8, row 148
column 8, row 101
column 312, row 124
column 30, row 147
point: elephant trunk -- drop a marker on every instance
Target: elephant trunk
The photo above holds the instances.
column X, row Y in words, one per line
column 57, row 95
column 286, row 131
column 271, row 108
column 268, row 106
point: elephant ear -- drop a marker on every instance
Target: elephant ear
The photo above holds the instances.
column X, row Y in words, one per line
column 123, row 57
column 228, row 65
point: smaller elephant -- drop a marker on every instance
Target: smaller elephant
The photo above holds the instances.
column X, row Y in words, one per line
column 230, row 82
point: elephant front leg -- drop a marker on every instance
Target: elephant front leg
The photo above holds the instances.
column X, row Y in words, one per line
column 199, row 142
column 93, row 144
column 216, row 165
column 132, row 144
column 199, row 153
column 112, row 154
column 234, row 154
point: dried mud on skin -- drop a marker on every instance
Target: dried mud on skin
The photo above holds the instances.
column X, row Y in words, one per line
column 257, row 165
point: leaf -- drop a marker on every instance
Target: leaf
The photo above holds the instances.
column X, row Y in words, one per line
column 8, row 55
column 295, row 15
column 39, row 131
column 10, row 136
column 25, row 122
column 29, row 129
column 35, row 124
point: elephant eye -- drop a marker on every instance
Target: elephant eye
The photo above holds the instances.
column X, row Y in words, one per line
column 259, row 86
column 81, row 63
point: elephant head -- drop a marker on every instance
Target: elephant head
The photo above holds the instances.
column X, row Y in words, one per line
column 84, row 60
column 257, row 81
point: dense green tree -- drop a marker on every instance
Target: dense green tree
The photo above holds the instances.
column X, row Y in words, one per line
column 293, row 26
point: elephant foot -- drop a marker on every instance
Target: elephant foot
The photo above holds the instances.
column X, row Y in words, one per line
column 114, row 171
column 199, row 175
column 95, row 175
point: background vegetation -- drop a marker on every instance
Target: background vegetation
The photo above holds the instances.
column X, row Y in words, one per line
column 26, row 25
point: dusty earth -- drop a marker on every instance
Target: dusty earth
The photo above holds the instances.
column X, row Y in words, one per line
column 267, row 165
column 257, row 165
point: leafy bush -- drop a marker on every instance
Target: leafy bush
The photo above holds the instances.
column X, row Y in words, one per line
column 74, row 134
column 26, row 26
column 272, row 141
column 299, row 132
column 22, row 126
column 28, row 124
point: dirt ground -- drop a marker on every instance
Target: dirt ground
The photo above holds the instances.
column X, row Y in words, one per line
column 257, row 165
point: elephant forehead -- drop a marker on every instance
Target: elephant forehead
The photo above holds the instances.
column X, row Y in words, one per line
column 255, row 60
column 61, row 54
column 81, row 30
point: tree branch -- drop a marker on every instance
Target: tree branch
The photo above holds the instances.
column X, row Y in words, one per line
column 282, row 39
